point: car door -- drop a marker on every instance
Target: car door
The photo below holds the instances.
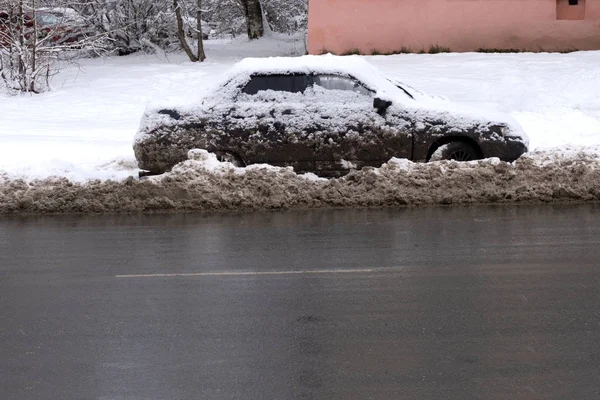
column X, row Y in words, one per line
column 349, row 131
column 268, row 116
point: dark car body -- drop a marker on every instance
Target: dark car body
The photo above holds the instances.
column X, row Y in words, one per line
column 320, row 114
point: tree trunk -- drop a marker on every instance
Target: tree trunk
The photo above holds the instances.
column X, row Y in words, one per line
column 254, row 18
column 201, row 55
column 34, row 49
column 21, row 50
column 181, row 33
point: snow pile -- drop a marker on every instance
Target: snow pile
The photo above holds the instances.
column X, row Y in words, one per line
column 203, row 183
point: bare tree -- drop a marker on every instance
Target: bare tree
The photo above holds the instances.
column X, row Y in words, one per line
column 233, row 17
column 254, row 18
column 23, row 56
column 200, row 42
column 199, row 56
column 131, row 25
column 31, row 50
column 286, row 16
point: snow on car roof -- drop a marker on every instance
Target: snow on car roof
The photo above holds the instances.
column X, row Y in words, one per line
column 306, row 64
column 324, row 64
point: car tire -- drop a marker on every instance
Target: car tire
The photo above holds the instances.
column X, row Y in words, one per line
column 226, row 156
column 457, row 151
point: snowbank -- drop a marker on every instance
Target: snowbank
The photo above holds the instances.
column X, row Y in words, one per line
column 203, row 183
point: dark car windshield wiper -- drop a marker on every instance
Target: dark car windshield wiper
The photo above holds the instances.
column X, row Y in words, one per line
column 401, row 88
column 405, row 91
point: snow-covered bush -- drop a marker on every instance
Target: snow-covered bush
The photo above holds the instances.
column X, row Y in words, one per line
column 132, row 25
column 228, row 16
column 286, row 16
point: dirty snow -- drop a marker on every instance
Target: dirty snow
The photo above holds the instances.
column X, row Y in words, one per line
column 203, row 183
column 71, row 149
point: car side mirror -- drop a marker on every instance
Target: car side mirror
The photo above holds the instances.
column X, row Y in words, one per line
column 381, row 105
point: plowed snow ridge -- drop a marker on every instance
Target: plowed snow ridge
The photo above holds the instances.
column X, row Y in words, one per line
column 203, row 183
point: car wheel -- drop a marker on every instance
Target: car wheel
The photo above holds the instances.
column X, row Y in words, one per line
column 226, row 156
column 458, row 151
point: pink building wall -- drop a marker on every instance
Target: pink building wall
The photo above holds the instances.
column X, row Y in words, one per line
column 339, row 26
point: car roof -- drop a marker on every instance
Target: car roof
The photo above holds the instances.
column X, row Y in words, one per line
column 312, row 64
column 302, row 64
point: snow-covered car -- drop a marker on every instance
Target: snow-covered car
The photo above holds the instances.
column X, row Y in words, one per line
column 321, row 114
column 59, row 25
column 65, row 24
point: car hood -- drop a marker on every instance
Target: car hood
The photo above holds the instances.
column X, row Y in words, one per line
column 460, row 116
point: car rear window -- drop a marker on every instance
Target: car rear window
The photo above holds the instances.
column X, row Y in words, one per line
column 280, row 83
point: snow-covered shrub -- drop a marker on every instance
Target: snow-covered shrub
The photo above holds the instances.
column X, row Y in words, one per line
column 132, row 25
column 228, row 17
column 286, row 16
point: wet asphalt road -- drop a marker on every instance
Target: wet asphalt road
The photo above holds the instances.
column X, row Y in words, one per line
column 458, row 303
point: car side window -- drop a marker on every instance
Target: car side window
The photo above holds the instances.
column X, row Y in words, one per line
column 336, row 82
column 279, row 83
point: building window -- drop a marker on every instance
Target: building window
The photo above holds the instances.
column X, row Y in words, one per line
column 570, row 9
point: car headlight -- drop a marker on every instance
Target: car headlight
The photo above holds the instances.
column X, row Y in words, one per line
column 508, row 132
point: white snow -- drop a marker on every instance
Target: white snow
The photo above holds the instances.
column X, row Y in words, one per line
column 84, row 128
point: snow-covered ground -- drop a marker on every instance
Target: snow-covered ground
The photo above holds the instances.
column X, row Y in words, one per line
column 83, row 129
